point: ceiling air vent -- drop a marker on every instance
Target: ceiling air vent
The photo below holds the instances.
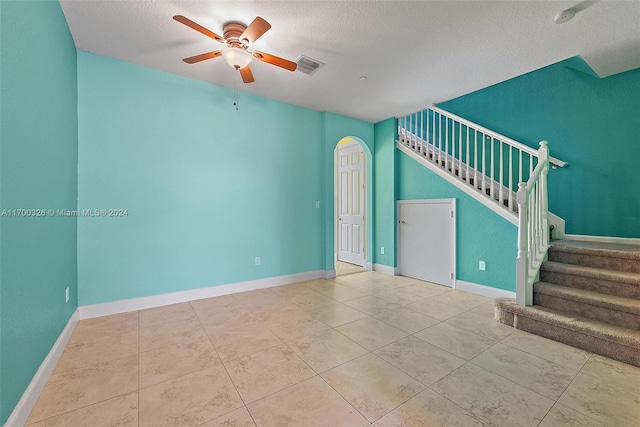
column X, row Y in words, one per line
column 308, row 65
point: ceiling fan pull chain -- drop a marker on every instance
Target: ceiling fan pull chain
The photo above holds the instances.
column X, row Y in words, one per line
column 235, row 94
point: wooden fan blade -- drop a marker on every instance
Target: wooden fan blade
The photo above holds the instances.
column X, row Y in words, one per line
column 202, row 57
column 255, row 30
column 189, row 23
column 275, row 60
column 247, row 75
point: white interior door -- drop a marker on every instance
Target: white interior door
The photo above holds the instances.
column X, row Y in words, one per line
column 350, row 203
column 426, row 240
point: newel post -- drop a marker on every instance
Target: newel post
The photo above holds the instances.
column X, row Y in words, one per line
column 523, row 294
column 543, row 155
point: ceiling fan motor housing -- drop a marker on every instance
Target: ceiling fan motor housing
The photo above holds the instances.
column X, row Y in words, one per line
column 232, row 33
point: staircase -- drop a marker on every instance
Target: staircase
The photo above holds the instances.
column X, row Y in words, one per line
column 583, row 294
column 507, row 176
column 588, row 297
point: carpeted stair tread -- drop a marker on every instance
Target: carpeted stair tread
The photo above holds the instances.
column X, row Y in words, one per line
column 608, row 256
column 593, row 273
column 613, row 250
column 616, row 342
column 612, row 302
column 606, row 331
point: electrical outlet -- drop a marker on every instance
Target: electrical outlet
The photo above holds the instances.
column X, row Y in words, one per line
column 66, row 294
column 257, row 260
column 482, row 266
column 382, row 250
column 317, row 205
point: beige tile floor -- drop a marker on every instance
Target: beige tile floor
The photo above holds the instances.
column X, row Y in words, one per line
column 361, row 350
column 344, row 268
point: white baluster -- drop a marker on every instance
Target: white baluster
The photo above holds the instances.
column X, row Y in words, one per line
column 475, row 159
column 434, row 134
column 418, row 135
column 415, row 132
column 491, row 190
column 501, row 192
column 406, row 133
column 446, row 143
column 534, row 222
column 484, row 165
column 510, row 177
column 531, row 166
column 519, row 165
column 429, row 137
column 543, row 155
column 460, row 150
column 522, row 264
column 467, row 159
column 531, row 218
column 439, row 139
column 421, row 134
column 453, row 147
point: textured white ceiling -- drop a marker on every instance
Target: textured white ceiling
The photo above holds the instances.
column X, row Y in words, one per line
column 413, row 53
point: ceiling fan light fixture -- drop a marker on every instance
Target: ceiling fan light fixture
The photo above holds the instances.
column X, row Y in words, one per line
column 237, row 58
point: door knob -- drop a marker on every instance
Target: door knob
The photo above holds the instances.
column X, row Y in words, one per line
column 402, row 221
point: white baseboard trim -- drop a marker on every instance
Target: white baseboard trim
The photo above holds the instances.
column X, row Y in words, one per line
column 604, row 239
column 330, row 274
column 30, row 396
column 368, row 266
column 141, row 303
column 485, row 291
column 385, row 269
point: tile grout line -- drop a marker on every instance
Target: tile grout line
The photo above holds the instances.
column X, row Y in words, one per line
column 541, row 357
column 505, row 378
column 226, row 371
column 278, row 391
column 567, row 387
column 454, row 403
column 444, row 397
column 208, row 337
column 545, row 359
column 330, row 327
column 343, row 398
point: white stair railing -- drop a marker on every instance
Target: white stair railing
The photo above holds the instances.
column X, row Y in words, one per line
column 505, row 175
column 533, row 227
column 478, row 157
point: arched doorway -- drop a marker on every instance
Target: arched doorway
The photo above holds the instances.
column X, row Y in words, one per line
column 352, row 164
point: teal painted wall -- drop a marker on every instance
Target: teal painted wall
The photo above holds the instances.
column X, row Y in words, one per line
column 589, row 122
column 336, row 128
column 385, row 192
column 38, row 170
column 207, row 188
column 481, row 234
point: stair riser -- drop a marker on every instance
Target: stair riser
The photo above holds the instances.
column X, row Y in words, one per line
column 591, row 284
column 581, row 340
column 589, row 311
column 609, row 263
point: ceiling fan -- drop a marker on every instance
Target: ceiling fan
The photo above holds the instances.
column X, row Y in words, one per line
column 238, row 38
